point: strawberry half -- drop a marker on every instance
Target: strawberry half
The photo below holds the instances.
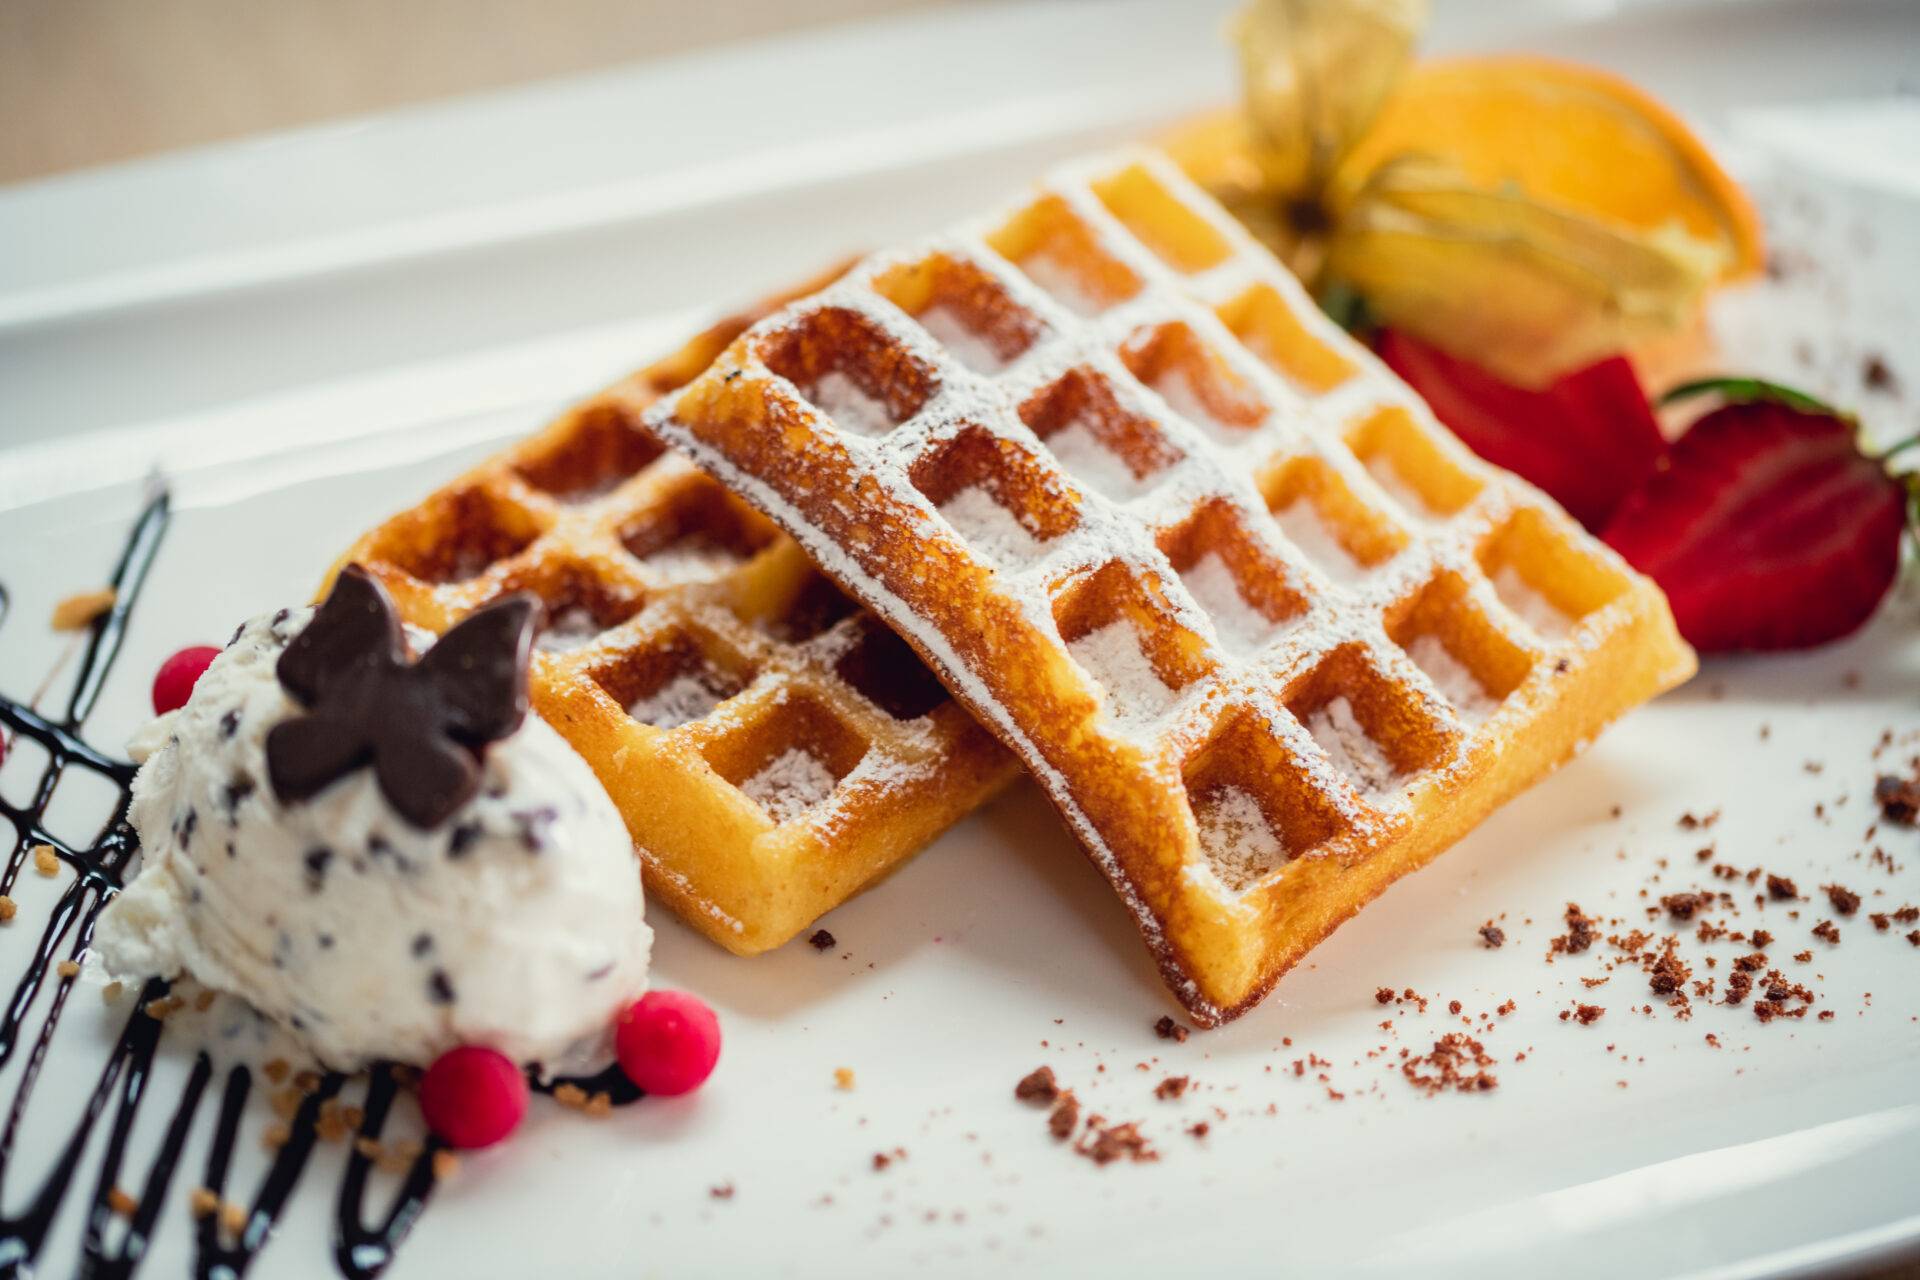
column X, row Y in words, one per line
column 1768, row 528
column 1588, row 439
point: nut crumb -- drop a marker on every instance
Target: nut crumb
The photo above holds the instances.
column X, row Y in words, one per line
column 45, row 860
column 121, row 1203
column 202, row 1202
column 67, row 969
column 8, row 909
column 79, row 610
column 843, row 1078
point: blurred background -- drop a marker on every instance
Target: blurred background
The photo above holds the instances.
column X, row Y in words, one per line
column 85, row 82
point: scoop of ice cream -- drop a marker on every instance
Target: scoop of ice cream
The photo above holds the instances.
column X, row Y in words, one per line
column 516, row 924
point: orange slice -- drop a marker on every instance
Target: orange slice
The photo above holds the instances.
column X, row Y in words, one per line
column 1571, row 138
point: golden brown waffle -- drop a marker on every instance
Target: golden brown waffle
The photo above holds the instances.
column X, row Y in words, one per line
column 1269, row 637
column 772, row 748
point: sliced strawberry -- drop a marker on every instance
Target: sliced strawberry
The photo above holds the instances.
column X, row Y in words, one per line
column 1768, row 528
column 1588, row 439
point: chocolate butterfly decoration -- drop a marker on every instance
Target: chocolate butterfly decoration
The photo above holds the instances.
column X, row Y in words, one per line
column 424, row 725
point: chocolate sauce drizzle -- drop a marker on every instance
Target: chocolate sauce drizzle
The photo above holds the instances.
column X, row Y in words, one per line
column 112, row 1247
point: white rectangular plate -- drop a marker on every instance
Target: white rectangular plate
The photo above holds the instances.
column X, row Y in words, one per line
column 311, row 332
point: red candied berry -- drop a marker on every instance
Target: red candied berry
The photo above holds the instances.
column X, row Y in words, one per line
column 173, row 685
column 473, row 1096
column 668, row 1042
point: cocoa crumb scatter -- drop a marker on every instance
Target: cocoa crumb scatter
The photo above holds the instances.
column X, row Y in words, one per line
column 1760, row 938
column 1844, row 900
column 1384, row 995
column 1104, row 1143
column 821, row 940
column 1584, row 1014
column 724, row 1191
column 1493, row 936
column 1914, row 937
column 1200, row 1129
column 1682, row 906
column 1781, row 889
column 1457, row 1062
column 1168, row 1029
column 1037, row 1085
column 1453, row 1006
column 1580, row 934
column 1669, row 972
column 1827, row 932
column 1172, row 1088
column 1803, row 957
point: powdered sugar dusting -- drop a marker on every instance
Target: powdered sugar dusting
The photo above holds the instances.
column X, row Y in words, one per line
column 1534, row 609
column 1180, row 396
column 567, row 630
column 1088, row 460
column 1304, row 528
column 1060, row 280
column 990, row 528
column 1453, row 678
column 1243, row 630
column 1132, row 692
column 1388, row 477
column 1352, row 750
column 850, row 407
column 693, row 559
column 685, row 698
column 966, row 346
column 1236, row 837
column 790, row 784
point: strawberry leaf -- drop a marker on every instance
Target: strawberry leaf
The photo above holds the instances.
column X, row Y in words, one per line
column 1748, row 391
column 1589, row 439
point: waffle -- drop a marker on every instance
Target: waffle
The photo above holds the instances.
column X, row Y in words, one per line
column 772, row 748
column 1268, row 636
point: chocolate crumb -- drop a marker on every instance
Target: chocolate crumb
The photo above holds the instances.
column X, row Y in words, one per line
column 821, row 940
column 1493, row 936
column 724, row 1191
column 1580, row 934
column 1384, row 995
column 1760, row 938
column 1844, row 900
column 1065, row 1115
column 1826, row 932
column 1173, row 1087
column 1105, row 1143
column 1037, row 1085
column 1781, row 889
column 1168, row 1029
column 1898, row 798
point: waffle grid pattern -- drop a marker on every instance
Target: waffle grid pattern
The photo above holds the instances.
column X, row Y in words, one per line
column 1266, row 633
column 772, row 748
